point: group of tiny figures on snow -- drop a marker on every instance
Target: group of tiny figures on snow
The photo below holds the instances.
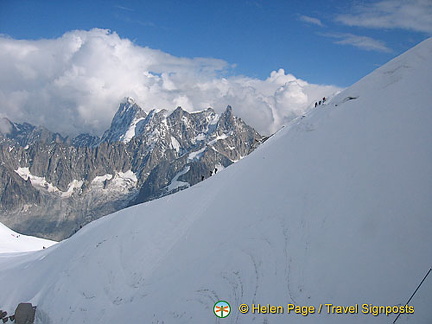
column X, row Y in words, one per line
column 320, row 102
column 211, row 173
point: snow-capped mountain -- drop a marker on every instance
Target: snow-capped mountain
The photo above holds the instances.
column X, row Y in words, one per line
column 124, row 122
column 52, row 186
column 333, row 209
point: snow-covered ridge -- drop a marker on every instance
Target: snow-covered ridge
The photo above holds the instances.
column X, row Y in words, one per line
column 11, row 242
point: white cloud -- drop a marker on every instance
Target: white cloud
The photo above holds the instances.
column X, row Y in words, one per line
column 311, row 20
column 123, row 8
column 74, row 84
column 362, row 42
column 413, row 15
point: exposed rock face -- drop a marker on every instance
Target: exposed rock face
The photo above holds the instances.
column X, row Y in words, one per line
column 124, row 122
column 25, row 313
column 51, row 185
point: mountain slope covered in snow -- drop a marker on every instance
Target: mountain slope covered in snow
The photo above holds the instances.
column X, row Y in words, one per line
column 335, row 208
column 11, row 241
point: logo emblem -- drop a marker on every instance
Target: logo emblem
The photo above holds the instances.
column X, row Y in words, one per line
column 222, row 309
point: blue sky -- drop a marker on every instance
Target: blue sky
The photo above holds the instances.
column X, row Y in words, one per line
column 324, row 42
column 257, row 36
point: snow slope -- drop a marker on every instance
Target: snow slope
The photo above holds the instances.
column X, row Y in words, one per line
column 11, row 241
column 335, row 208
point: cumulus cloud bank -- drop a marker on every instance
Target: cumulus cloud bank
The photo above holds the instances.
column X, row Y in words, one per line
column 75, row 83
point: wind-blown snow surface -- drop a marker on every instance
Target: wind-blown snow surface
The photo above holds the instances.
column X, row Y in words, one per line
column 336, row 208
column 11, row 242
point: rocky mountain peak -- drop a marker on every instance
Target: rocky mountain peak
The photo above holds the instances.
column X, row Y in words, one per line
column 178, row 113
column 142, row 156
column 228, row 122
column 123, row 125
column 26, row 134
